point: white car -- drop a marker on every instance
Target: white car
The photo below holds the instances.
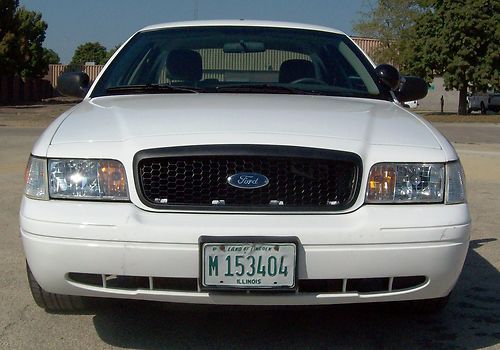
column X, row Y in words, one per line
column 484, row 101
column 243, row 163
column 411, row 104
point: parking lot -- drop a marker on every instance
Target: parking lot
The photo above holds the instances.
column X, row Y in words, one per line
column 471, row 320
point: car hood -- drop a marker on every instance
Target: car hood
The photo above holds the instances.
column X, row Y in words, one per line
column 122, row 118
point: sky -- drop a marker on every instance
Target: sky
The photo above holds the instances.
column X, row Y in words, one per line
column 111, row 22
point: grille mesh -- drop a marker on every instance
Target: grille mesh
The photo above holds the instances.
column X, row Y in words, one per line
column 200, row 180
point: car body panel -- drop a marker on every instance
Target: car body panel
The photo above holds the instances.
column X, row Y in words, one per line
column 243, row 23
column 126, row 117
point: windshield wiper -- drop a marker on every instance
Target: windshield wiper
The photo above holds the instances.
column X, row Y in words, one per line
column 264, row 88
column 150, row 89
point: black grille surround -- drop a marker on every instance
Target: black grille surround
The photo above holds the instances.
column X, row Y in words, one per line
column 191, row 177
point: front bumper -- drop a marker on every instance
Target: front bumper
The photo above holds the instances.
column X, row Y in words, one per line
column 62, row 237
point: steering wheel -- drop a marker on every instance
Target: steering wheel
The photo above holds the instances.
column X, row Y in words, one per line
column 308, row 81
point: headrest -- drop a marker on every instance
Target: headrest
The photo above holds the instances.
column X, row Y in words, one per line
column 292, row 70
column 184, row 65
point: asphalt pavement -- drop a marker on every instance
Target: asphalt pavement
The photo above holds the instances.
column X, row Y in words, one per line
column 471, row 320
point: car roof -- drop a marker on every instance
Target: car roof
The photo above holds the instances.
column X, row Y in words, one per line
column 241, row 22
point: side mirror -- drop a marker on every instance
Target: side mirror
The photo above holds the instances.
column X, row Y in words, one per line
column 411, row 88
column 75, row 84
column 388, row 75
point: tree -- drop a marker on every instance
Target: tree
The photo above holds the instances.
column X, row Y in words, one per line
column 459, row 40
column 31, row 35
column 22, row 33
column 9, row 51
column 89, row 52
column 389, row 22
column 112, row 51
column 51, row 56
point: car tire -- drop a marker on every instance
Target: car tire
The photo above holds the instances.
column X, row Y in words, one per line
column 483, row 108
column 54, row 302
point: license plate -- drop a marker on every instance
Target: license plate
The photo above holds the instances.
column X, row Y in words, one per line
column 248, row 265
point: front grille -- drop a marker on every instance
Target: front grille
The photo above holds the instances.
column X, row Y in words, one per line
column 196, row 177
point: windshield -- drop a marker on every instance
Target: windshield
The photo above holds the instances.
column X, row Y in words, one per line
column 230, row 59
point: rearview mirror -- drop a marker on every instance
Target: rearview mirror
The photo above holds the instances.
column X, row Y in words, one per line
column 244, row 46
column 388, row 75
column 411, row 88
column 75, row 84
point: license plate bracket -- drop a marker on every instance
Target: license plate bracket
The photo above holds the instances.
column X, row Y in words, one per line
column 225, row 263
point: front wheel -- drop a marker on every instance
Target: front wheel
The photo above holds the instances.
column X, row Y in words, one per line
column 54, row 302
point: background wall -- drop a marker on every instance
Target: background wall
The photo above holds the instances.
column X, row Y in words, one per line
column 432, row 101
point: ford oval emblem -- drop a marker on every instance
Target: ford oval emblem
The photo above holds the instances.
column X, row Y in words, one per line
column 248, row 180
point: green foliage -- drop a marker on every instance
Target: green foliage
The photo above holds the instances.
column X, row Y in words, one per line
column 456, row 39
column 460, row 40
column 31, row 34
column 112, row 51
column 51, row 56
column 90, row 52
column 22, row 33
column 9, row 51
column 389, row 22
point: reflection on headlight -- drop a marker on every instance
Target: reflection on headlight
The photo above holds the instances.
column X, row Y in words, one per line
column 86, row 179
column 406, row 183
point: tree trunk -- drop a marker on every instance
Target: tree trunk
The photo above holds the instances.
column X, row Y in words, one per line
column 462, row 101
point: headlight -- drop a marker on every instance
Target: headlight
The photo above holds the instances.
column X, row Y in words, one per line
column 406, row 183
column 87, row 179
column 35, row 179
column 416, row 183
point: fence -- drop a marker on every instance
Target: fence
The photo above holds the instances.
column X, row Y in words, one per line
column 14, row 90
column 368, row 45
column 55, row 70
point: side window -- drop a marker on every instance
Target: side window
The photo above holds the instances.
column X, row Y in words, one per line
column 343, row 69
column 146, row 69
column 358, row 76
column 138, row 69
